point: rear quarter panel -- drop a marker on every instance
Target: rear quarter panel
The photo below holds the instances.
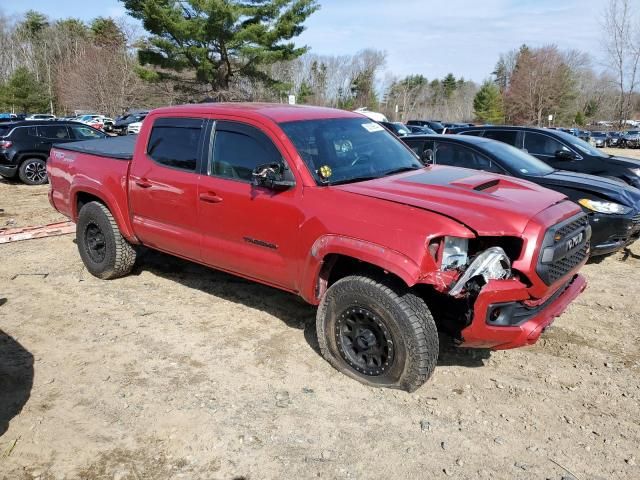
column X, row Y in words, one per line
column 73, row 173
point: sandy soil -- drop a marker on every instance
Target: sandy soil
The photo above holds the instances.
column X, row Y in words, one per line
column 178, row 371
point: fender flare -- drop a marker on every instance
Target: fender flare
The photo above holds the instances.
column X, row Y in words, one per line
column 389, row 260
column 121, row 217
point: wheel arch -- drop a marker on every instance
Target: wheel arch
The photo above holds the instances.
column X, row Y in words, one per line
column 22, row 157
column 85, row 194
column 332, row 257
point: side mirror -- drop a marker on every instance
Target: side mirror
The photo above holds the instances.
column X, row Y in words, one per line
column 271, row 175
column 565, row 155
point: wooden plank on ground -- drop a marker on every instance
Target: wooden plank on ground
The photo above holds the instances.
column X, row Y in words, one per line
column 40, row 231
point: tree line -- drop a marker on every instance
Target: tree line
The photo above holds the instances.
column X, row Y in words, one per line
column 215, row 50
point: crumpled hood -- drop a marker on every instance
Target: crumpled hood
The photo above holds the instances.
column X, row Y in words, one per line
column 487, row 203
column 613, row 190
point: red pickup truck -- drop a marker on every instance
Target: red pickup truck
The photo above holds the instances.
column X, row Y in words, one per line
column 328, row 205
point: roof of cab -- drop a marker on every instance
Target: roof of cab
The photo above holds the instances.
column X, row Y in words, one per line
column 277, row 112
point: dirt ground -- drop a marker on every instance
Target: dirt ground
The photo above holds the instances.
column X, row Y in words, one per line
column 177, row 371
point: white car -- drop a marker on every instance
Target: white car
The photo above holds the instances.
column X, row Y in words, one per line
column 378, row 117
column 41, row 116
column 134, row 128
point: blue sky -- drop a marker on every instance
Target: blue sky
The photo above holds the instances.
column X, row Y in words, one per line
column 430, row 37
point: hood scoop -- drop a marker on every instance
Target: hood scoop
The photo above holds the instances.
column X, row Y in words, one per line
column 479, row 182
column 486, row 185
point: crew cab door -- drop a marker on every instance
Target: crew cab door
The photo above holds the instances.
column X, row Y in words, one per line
column 247, row 229
column 163, row 186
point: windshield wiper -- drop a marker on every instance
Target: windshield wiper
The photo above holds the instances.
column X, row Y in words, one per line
column 373, row 177
column 400, row 170
column 354, row 180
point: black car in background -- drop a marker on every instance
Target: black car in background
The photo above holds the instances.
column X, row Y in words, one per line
column 631, row 139
column 562, row 151
column 24, row 146
column 420, row 130
column 434, row 125
column 122, row 122
column 399, row 129
column 613, row 208
column 614, row 139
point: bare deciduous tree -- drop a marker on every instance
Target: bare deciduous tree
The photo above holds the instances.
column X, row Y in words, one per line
column 622, row 46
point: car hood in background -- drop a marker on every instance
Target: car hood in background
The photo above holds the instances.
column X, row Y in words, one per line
column 613, row 190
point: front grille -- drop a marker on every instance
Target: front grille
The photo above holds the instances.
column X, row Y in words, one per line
column 564, row 259
column 573, row 226
column 561, row 267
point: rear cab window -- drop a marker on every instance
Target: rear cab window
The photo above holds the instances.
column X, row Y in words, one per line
column 176, row 142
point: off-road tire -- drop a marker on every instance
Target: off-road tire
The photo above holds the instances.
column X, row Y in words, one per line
column 119, row 255
column 403, row 314
column 33, row 171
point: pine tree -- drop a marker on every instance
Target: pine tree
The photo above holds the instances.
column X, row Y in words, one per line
column 487, row 104
column 221, row 39
column 449, row 85
column 24, row 93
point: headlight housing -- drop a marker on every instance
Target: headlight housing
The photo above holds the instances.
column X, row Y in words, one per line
column 604, row 207
column 455, row 252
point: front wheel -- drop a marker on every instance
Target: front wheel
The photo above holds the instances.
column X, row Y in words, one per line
column 378, row 332
column 33, row 171
column 104, row 251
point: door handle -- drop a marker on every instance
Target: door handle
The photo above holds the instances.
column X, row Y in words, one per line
column 143, row 183
column 210, row 197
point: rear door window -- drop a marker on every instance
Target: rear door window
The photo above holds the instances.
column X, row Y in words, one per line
column 176, row 142
column 509, row 137
column 53, row 132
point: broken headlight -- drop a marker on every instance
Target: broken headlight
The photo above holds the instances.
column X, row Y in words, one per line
column 455, row 253
column 492, row 264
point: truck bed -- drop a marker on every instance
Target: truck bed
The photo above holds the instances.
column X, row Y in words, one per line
column 120, row 148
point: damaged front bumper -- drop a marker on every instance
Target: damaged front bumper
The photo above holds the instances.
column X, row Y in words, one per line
column 505, row 316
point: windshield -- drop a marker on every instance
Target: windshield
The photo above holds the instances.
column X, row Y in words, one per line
column 581, row 145
column 598, row 134
column 517, row 160
column 343, row 150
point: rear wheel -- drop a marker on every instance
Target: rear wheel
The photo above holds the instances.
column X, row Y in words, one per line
column 378, row 332
column 104, row 251
column 33, row 171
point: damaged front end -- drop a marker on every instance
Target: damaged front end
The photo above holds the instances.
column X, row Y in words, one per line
column 482, row 302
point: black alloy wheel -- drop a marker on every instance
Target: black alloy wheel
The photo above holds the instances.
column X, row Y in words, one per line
column 95, row 244
column 364, row 342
